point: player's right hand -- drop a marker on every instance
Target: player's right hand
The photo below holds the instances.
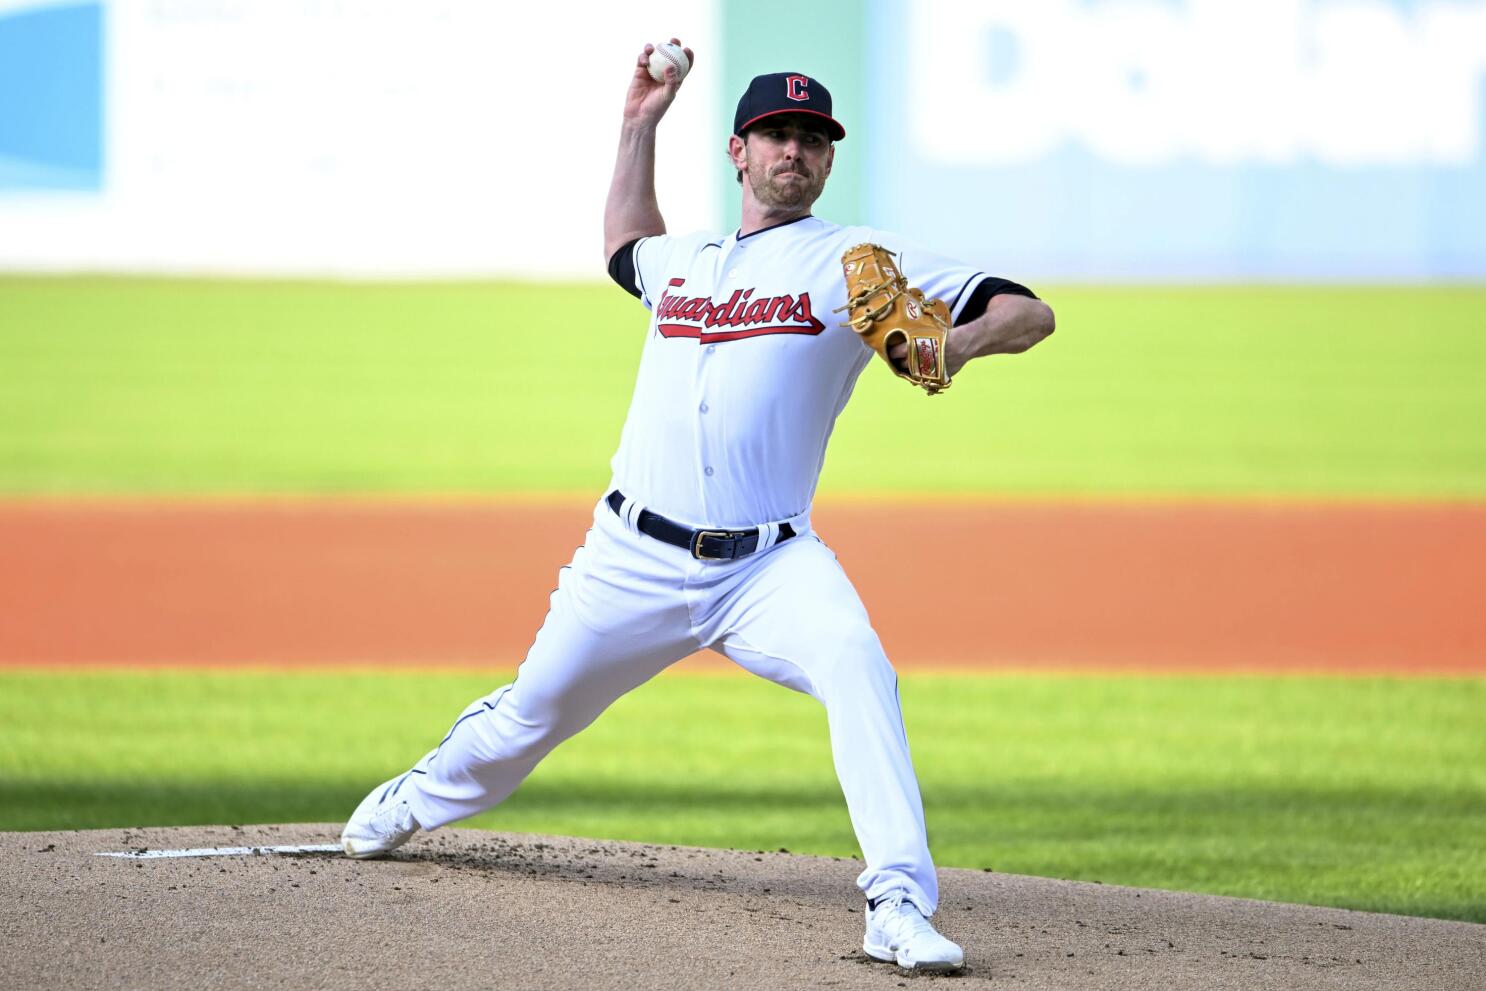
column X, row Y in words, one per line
column 648, row 100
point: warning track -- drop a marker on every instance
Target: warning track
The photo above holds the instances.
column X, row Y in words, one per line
column 464, row 909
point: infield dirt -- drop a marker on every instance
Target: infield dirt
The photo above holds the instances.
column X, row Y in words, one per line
column 1265, row 587
column 464, row 909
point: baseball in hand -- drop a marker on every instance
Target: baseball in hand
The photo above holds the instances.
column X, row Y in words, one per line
column 668, row 55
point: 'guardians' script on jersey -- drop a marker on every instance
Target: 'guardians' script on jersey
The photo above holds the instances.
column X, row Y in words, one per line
column 741, row 316
column 745, row 368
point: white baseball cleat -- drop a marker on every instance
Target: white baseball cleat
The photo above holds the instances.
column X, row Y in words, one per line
column 897, row 932
column 381, row 823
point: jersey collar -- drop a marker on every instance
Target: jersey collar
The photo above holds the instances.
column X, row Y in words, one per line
column 737, row 236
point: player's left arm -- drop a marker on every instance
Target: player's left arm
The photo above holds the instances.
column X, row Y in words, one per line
column 1011, row 324
column 1001, row 318
column 991, row 315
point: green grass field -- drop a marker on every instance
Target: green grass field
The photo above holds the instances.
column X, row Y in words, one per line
column 150, row 386
column 1364, row 793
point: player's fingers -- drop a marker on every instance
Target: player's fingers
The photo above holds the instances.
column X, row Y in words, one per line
column 691, row 59
column 644, row 59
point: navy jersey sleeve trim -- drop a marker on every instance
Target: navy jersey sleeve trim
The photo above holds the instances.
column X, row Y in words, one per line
column 633, row 254
column 981, row 295
column 622, row 270
column 956, row 301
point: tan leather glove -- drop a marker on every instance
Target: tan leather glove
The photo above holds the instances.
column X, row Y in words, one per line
column 886, row 311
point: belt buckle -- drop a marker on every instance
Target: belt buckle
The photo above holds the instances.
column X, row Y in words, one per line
column 696, row 543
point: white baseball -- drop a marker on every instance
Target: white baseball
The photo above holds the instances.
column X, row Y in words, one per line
column 668, row 55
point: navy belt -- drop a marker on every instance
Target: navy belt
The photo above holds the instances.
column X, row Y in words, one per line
column 704, row 545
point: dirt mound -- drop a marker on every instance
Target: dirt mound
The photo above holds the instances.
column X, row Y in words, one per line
column 470, row 909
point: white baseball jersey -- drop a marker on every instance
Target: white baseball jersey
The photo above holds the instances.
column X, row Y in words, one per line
column 744, row 372
column 746, row 366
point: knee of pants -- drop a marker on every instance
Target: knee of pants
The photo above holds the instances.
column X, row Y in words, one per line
column 530, row 726
column 854, row 660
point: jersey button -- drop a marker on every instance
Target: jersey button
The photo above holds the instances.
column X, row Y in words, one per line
column 711, row 348
column 703, row 407
column 707, row 471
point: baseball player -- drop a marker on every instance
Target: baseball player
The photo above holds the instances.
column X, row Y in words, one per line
column 703, row 537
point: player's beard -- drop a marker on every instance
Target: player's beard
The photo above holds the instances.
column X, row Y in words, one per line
column 789, row 194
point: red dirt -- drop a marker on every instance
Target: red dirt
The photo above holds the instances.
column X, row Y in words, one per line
column 1347, row 588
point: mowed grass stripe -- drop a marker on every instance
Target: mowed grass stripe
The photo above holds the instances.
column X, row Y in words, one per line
column 180, row 386
column 1362, row 793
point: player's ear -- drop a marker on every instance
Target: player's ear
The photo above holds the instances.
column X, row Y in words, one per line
column 830, row 157
column 738, row 152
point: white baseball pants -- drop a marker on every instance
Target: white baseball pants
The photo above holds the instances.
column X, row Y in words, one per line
column 626, row 608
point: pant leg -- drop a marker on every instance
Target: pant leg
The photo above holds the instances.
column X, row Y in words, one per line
column 795, row 619
column 615, row 621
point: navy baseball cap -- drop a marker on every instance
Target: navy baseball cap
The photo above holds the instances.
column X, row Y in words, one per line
column 785, row 93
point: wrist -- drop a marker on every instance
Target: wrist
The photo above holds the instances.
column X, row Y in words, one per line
column 637, row 130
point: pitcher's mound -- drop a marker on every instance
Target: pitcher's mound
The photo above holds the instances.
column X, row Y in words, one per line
column 463, row 909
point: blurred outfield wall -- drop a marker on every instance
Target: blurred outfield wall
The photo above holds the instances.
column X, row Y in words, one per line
column 1126, row 139
column 365, row 137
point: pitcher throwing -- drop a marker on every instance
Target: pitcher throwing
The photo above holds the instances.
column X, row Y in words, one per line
column 703, row 537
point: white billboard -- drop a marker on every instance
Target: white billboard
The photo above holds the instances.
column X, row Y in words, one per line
column 367, row 138
column 1187, row 139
